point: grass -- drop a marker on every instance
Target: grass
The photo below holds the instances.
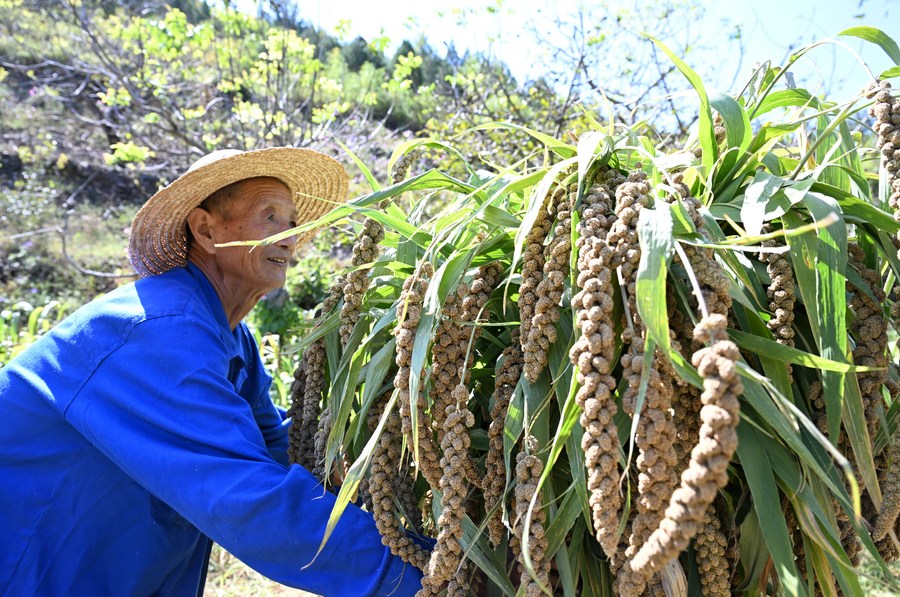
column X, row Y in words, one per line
column 229, row 577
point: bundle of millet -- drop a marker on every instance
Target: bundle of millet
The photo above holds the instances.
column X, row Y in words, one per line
column 533, row 270
column 403, row 165
column 461, row 581
column 549, row 291
column 708, row 469
column 316, row 428
column 711, row 277
column 483, row 284
column 382, row 483
column 710, row 544
column 447, row 554
column 781, row 294
column 631, row 198
column 453, row 339
column 528, row 472
column 295, row 413
column 409, row 312
column 365, row 250
column 890, row 492
column 869, row 328
column 886, row 111
column 447, row 355
column 593, row 354
column 713, row 284
column 655, row 437
column 505, row 380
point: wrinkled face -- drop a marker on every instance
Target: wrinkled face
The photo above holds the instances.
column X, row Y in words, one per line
column 259, row 208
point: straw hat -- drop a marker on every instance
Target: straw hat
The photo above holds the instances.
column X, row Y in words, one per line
column 159, row 239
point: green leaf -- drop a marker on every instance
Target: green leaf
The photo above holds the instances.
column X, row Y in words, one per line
column 655, row 236
column 788, row 98
column 707, row 132
column 738, row 133
column 552, row 143
column 757, row 197
column 370, row 178
column 876, row 36
column 890, row 73
column 753, row 454
column 856, row 210
column 496, row 216
column 476, row 549
column 780, row 352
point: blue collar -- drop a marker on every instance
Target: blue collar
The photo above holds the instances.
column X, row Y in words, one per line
column 211, row 298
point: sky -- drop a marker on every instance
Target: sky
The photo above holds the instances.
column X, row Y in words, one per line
column 770, row 29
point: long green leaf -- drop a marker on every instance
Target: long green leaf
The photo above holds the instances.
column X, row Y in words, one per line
column 878, row 37
column 781, row 352
column 657, row 243
column 707, row 132
column 752, row 450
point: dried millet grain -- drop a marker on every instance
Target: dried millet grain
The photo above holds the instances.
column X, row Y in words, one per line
column 708, row 469
column 593, row 353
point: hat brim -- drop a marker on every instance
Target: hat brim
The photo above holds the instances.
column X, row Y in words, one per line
column 158, row 240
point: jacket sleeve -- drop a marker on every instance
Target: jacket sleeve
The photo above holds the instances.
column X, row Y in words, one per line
column 161, row 407
column 255, row 386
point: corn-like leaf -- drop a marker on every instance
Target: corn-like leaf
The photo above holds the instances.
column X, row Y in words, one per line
column 564, row 150
column 354, row 476
column 752, row 451
column 370, row 178
column 706, row 133
column 655, row 236
column 878, row 37
column 789, row 354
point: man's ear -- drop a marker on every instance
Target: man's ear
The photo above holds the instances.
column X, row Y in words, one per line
column 199, row 222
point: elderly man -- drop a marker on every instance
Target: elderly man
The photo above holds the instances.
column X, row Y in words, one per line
column 141, row 428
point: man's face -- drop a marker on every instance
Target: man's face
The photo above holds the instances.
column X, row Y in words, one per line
column 260, row 208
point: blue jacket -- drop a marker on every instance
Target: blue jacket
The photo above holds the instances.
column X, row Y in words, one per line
column 140, row 427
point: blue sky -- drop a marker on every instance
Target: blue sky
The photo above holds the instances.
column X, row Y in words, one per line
column 770, row 29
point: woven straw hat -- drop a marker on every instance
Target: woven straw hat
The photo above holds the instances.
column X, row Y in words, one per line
column 159, row 239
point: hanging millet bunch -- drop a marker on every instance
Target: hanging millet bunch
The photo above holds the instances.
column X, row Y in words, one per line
column 869, row 328
column 403, row 165
column 655, row 437
column 631, row 197
column 365, row 250
column 780, row 293
column 447, row 355
column 710, row 544
column 453, row 338
column 886, row 111
column 708, row 469
column 505, row 380
column 382, row 482
column 295, row 413
column 528, row 472
column 593, row 354
column 409, row 312
column 890, row 492
column 483, row 284
column 533, row 273
column 447, row 554
column 549, row 291
column 306, row 394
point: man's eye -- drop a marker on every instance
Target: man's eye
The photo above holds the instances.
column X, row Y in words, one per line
column 271, row 217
